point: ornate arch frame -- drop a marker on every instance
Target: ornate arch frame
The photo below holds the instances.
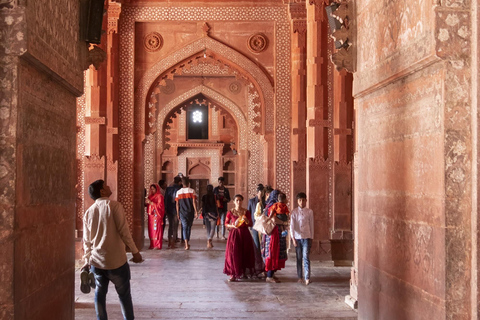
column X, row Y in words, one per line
column 131, row 103
column 229, row 105
column 153, row 149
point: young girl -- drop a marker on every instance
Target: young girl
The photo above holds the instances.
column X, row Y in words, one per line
column 239, row 255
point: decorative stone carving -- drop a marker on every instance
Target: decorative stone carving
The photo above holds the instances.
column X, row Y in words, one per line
column 95, row 56
column 319, row 163
column 257, row 43
column 318, row 123
column 114, row 10
column 168, row 88
column 343, row 59
column 153, row 42
column 95, row 161
column 235, row 87
column 94, row 120
column 206, row 29
column 343, row 166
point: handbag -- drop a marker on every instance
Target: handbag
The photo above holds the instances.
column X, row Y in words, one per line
column 264, row 225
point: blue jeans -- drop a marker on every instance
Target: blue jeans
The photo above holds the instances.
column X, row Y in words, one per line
column 303, row 253
column 223, row 214
column 211, row 223
column 186, row 226
column 120, row 277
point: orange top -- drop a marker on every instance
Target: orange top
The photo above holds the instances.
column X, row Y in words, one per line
column 279, row 208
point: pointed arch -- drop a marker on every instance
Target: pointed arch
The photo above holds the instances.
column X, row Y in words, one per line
column 199, row 169
column 229, row 105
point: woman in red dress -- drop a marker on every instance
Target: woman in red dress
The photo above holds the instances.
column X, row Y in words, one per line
column 239, row 254
column 156, row 211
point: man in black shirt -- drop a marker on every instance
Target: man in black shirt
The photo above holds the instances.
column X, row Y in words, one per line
column 171, row 211
column 223, row 197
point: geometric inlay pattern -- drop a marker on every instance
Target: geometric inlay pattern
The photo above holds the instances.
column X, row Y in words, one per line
column 149, row 169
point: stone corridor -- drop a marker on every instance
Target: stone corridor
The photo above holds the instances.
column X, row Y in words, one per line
column 174, row 284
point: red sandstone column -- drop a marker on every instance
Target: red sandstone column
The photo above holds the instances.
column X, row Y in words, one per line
column 342, row 169
column 318, row 124
column 113, row 13
column 298, row 13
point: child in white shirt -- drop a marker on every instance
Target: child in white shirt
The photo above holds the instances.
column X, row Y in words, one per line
column 301, row 232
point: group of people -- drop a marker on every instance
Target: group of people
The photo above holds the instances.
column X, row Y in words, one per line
column 178, row 204
column 253, row 254
column 107, row 237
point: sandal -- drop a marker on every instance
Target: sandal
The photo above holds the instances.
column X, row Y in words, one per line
column 232, row 279
column 84, row 281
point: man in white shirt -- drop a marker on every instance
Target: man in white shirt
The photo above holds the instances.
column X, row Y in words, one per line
column 301, row 232
column 105, row 235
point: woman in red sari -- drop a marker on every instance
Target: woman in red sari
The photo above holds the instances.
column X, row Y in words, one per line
column 239, row 254
column 156, row 211
column 275, row 244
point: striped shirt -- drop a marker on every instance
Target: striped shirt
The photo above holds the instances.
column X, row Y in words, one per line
column 185, row 198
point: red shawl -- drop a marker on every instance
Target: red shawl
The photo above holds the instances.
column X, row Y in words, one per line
column 157, row 206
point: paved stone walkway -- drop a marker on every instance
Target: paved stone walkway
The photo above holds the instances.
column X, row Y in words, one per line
column 178, row 284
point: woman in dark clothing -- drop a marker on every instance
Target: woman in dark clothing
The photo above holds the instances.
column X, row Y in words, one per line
column 210, row 214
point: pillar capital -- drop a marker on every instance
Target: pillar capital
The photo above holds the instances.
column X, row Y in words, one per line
column 297, row 10
column 113, row 14
column 319, row 7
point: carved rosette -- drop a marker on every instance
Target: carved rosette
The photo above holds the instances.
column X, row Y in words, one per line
column 153, row 42
column 257, row 43
column 235, row 87
column 168, row 88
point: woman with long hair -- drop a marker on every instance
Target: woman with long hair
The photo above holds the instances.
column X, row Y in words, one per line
column 210, row 214
column 275, row 244
column 239, row 254
column 156, row 211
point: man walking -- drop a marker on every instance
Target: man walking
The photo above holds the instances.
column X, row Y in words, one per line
column 171, row 210
column 105, row 235
column 223, row 197
column 186, row 208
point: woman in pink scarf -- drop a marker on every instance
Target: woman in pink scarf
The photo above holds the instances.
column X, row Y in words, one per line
column 156, row 211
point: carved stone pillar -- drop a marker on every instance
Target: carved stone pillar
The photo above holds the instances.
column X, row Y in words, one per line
column 298, row 14
column 113, row 13
column 97, row 130
column 318, row 124
column 269, row 159
column 343, row 151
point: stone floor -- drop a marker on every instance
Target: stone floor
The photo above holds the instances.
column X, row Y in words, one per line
column 178, row 284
